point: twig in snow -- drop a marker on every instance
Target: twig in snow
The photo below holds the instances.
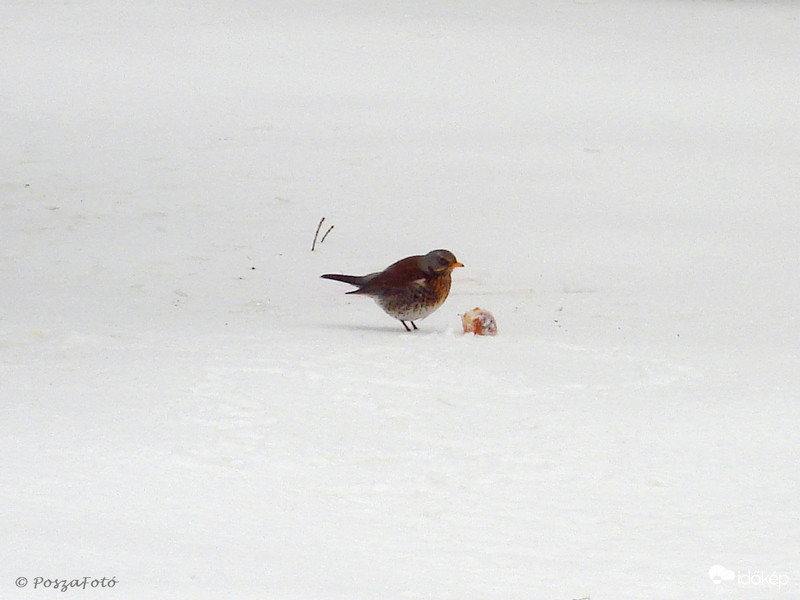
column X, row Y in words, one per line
column 316, row 233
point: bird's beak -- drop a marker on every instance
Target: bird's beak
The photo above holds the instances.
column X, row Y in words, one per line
column 457, row 264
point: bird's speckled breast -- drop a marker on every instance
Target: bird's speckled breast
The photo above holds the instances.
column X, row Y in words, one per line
column 417, row 301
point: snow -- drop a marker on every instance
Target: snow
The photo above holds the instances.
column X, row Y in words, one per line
column 188, row 408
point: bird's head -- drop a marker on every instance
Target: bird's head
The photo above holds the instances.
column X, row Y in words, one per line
column 438, row 262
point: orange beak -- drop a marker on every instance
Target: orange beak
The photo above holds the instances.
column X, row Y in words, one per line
column 457, row 264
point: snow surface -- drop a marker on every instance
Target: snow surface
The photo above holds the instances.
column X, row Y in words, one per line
column 188, row 408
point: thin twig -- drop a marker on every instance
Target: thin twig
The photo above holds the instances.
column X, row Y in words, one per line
column 326, row 234
column 314, row 243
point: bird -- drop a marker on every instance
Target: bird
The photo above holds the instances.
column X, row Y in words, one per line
column 410, row 289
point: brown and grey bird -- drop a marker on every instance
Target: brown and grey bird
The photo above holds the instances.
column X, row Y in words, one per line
column 410, row 289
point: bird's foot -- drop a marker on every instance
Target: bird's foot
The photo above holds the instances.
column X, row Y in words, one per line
column 407, row 327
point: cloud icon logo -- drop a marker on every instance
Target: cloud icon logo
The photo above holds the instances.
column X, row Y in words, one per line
column 718, row 574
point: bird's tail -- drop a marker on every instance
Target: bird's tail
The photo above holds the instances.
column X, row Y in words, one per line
column 355, row 280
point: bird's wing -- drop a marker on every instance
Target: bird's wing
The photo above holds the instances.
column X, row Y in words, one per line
column 397, row 276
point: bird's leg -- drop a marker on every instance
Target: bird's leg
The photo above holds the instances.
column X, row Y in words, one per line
column 406, row 326
column 414, row 325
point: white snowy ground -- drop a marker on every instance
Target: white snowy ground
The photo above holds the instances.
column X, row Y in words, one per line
column 188, row 408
